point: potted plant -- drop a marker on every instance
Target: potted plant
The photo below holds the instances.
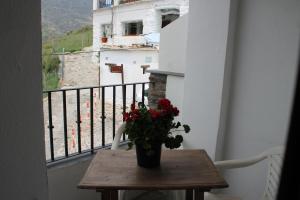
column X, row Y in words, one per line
column 104, row 37
column 148, row 129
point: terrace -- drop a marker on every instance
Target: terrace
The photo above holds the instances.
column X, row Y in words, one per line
column 230, row 67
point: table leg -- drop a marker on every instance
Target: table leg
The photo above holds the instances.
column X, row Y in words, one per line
column 199, row 195
column 114, row 195
column 105, row 195
column 189, row 194
column 109, row 195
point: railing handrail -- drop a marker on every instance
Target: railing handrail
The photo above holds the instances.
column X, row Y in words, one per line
column 105, row 3
column 89, row 87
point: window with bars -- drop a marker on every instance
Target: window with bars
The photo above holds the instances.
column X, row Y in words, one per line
column 133, row 28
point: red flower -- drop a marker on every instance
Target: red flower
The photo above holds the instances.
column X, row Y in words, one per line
column 175, row 111
column 164, row 104
column 154, row 114
column 132, row 107
column 135, row 114
column 164, row 113
column 126, row 117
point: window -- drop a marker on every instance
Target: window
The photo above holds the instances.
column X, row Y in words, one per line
column 133, row 28
column 168, row 16
column 107, row 29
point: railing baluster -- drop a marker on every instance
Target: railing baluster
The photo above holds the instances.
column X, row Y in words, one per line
column 124, row 105
column 78, row 121
column 133, row 93
column 92, row 119
column 143, row 93
column 65, row 123
column 50, row 126
column 103, row 116
column 114, row 112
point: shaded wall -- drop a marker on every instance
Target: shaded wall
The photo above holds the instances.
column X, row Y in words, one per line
column 263, row 77
column 22, row 149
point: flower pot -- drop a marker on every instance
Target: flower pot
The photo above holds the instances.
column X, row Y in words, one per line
column 104, row 39
column 148, row 159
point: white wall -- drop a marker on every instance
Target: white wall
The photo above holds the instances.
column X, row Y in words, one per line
column 254, row 71
column 263, row 78
column 172, row 48
column 63, row 181
column 174, row 91
column 207, row 44
column 172, row 58
column 22, row 149
column 132, row 61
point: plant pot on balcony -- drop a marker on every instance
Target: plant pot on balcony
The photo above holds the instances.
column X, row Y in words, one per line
column 104, row 39
column 148, row 159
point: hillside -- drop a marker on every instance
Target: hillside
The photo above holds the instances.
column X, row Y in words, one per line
column 71, row 41
column 62, row 16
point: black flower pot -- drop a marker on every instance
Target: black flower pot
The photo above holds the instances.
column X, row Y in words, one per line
column 146, row 158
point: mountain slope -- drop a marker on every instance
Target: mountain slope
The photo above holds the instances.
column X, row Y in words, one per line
column 61, row 16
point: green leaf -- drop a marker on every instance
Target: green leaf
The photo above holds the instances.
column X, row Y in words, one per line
column 179, row 138
column 130, row 145
column 141, row 105
column 186, row 128
column 178, row 125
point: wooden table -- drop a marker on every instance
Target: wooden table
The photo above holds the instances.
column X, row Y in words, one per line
column 190, row 170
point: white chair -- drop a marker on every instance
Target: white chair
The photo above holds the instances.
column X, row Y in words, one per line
column 274, row 158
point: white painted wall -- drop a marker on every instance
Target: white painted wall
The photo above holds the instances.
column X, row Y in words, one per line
column 22, row 149
column 63, row 181
column 264, row 69
column 204, row 74
column 132, row 61
column 260, row 72
column 172, row 58
column 174, row 91
column 172, row 48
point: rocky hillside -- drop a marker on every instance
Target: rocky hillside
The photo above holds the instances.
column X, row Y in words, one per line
column 62, row 16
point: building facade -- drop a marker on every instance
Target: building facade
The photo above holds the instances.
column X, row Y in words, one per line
column 131, row 30
column 128, row 22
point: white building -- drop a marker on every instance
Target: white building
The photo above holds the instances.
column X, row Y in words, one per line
column 127, row 25
column 126, row 22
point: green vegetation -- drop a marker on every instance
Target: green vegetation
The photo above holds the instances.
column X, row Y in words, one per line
column 72, row 41
column 50, row 65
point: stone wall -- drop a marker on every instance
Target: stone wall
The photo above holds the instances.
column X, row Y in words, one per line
column 157, row 89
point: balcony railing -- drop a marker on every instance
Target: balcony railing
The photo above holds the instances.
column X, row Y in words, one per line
column 127, row 1
column 81, row 116
column 106, row 3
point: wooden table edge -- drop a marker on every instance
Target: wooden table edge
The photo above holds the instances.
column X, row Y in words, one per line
column 168, row 187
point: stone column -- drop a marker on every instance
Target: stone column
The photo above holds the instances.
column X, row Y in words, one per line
column 157, row 88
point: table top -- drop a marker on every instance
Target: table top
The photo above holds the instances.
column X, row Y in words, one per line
column 179, row 169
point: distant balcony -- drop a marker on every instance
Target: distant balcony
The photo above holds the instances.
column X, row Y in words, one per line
column 106, row 3
column 127, row 1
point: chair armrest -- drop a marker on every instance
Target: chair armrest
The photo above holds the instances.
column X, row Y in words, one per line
column 116, row 141
column 240, row 163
